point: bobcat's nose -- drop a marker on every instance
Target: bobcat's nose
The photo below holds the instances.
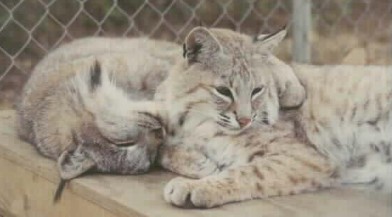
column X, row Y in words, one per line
column 244, row 121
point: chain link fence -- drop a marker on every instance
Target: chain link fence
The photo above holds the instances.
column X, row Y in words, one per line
column 340, row 31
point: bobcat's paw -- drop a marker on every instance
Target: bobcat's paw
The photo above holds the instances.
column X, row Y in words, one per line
column 187, row 193
column 177, row 191
column 151, row 130
column 148, row 121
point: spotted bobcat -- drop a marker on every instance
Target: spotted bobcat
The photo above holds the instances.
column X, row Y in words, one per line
column 242, row 124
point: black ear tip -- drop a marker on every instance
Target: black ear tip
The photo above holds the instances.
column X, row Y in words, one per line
column 184, row 50
column 97, row 66
column 95, row 74
column 59, row 190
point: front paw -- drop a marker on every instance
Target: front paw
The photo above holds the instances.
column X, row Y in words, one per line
column 148, row 121
column 177, row 191
column 188, row 193
column 152, row 132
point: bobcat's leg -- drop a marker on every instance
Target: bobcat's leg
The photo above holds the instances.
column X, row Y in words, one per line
column 127, row 124
column 375, row 173
column 186, row 161
column 276, row 174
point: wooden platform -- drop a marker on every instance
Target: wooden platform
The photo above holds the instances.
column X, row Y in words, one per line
column 28, row 181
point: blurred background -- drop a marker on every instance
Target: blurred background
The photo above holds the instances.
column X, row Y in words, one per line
column 321, row 31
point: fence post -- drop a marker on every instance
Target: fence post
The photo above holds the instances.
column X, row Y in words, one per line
column 301, row 30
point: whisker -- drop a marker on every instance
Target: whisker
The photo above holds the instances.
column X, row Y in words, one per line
column 261, row 122
column 223, row 124
column 224, row 116
column 224, row 120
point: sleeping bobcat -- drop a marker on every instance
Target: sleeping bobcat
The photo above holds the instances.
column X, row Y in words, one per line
column 225, row 131
column 77, row 106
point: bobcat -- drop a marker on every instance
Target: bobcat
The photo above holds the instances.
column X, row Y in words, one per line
column 224, row 130
column 241, row 124
column 77, row 106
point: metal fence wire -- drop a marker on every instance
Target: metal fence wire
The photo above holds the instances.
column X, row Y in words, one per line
column 332, row 31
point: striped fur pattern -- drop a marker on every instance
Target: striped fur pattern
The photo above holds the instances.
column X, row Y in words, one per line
column 78, row 105
column 224, row 131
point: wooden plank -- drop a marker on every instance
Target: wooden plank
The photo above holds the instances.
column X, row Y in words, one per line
column 25, row 156
column 24, row 193
column 28, row 181
column 302, row 26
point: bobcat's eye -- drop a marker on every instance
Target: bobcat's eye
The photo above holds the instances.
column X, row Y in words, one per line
column 224, row 91
column 257, row 90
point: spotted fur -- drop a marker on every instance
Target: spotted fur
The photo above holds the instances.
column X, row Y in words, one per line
column 225, row 110
column 222, row 109
column 347, row 115
column 307, row 127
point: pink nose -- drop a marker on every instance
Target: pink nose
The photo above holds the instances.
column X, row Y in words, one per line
column 244, row 121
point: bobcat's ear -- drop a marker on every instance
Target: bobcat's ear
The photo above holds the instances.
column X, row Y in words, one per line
column 73, row 163
column 95, row 76
column 200, row 45
column 268, row 42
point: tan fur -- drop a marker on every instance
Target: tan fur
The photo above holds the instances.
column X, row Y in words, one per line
column 225, row 131
column 78, row 105
column 347, row 116
column 339, row 116
column 230, row 161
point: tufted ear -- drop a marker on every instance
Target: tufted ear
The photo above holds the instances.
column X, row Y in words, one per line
column 73, row 163
column 290, row 91
column 200, row 45
column 268, row 42
column 95, row 76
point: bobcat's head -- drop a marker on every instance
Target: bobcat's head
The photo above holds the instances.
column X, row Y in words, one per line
column 234, row 79
column 113, row 136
